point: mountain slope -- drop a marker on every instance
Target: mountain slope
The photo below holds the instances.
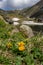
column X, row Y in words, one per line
column 34, row 9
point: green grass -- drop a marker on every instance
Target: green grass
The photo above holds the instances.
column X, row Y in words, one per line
column 32, row 54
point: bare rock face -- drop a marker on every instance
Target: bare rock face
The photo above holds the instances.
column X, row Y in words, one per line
column 26, row 30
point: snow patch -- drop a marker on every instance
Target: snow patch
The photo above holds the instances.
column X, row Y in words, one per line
column 15, row 19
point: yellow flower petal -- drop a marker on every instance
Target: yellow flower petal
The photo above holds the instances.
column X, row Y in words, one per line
column 21, row 44
column 22, row 48
column 9, row 32
column 9, row 45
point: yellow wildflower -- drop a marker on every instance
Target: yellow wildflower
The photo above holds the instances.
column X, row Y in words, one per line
column 9, row 32
column 9, row 45
column 21, row 44
column 21, row 48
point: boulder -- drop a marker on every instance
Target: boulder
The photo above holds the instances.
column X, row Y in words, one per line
column 26, row 30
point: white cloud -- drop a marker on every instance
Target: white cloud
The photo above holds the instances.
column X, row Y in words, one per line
column 3, row 3
column 17, row 3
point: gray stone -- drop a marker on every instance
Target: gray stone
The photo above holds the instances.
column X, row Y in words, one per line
column 26, row 30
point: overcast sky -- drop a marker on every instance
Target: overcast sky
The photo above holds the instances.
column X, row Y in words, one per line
column 16, row 4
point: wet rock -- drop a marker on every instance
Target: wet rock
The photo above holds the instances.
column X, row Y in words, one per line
column 26, row 30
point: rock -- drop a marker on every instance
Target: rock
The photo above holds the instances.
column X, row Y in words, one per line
column 26, row 30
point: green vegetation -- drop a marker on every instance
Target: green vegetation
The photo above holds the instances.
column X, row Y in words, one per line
column 16, row 49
